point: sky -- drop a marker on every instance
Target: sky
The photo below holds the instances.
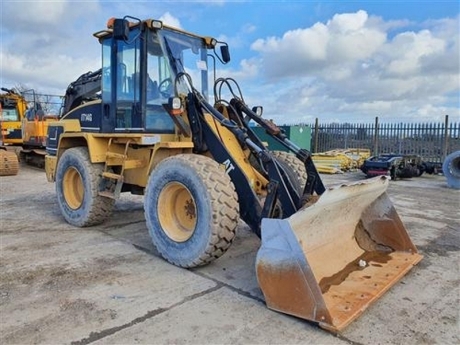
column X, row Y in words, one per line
column 338, row 61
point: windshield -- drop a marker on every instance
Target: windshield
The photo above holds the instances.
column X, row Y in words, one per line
column 185, row 53
column 9, row 114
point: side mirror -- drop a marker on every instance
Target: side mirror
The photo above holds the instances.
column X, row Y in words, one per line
column 121, row 29
column 225, row 52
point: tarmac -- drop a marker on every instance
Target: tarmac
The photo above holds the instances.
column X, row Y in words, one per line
column 107, row 284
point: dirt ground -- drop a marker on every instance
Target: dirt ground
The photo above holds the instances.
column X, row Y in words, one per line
column 107, row 285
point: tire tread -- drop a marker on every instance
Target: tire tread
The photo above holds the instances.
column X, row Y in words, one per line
column 101, row 207
column 295, row 163
column 224, row 204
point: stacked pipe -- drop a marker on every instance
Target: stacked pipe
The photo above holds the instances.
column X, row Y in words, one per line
column 339, row 161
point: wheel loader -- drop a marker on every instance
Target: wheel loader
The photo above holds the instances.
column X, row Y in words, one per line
column 150, row 128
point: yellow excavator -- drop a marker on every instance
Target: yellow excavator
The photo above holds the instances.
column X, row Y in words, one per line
column 9, row 162
column 24, row 123
column 146, row 126
column 34, row 130
column 12, row 109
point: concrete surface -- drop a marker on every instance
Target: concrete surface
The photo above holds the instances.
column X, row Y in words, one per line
column 107, row 285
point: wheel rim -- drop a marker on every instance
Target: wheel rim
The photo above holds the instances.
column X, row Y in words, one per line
column 177, row 212
column 73, row 190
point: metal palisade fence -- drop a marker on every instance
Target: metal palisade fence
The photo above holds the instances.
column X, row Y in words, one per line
column 432, row 141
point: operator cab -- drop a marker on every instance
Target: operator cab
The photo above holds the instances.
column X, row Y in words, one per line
column 9, row 112
column 140, row 64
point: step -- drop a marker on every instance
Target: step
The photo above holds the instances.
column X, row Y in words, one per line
column 108, row 194
column 113, row 176
column 110, row 154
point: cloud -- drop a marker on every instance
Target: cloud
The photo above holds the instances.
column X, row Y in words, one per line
column 352, row 66
column 47, row 17
column 344, row 39
column 248, row 28
column 170, row 20
column 405, row 52
column 34, row 15
column 43, row 46
column 48, row 44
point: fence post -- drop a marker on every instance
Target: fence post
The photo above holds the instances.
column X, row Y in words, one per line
column 446, row 138
column 316, row 135
column 376, row 137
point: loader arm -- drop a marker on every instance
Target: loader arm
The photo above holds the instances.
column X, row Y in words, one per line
column 86, row 86
column 251, row 209
column 243, row 114
column 314, row 182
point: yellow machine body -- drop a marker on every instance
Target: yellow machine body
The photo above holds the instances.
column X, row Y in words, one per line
column 12, row 110
column 24, row 127
column 137, row 154
column 326, row 261
column 35, row 131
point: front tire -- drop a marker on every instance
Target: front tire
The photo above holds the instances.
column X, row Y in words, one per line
column 77, row 187
column 191, row 209
column 296, row 165
column 294, row 178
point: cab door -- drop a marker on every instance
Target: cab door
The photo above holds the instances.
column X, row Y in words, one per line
column 121, row 91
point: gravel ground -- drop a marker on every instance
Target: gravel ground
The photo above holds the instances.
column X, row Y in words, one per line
column 107, row 284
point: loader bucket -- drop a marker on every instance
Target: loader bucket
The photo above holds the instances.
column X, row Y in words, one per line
column 328, row 262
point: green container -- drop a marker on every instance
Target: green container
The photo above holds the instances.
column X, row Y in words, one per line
column 299, row 135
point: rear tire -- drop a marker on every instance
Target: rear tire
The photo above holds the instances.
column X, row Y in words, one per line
column 77, row 187
column 191, row 209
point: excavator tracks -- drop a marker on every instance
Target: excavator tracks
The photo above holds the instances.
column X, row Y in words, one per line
column 9, row 163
